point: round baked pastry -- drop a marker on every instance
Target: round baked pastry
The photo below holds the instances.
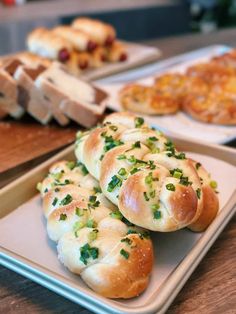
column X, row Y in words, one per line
column 179, row 86
column 210, row 72
column 212, row 107
column 147, row 100
column 227, row 59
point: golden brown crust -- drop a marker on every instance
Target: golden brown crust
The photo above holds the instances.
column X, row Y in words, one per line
column 147, row 100
column 102, row 33
column 48, row 44
column 121, row 263
column 210, row 201
column 98, row 57
column 80, row 40
column 183, row 204
column 124, row 278
column 117, row 52
column 211, row 108
column 209, row 211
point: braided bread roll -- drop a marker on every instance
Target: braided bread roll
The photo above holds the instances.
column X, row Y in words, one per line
column 140, row 171
column 112, row 256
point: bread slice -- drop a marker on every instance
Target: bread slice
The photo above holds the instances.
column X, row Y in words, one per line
column 44, row 82
column 77, row 99
column 9, row 102
column 30, row 97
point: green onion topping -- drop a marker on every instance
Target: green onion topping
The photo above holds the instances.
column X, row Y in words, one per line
column 97, row 189
column 122, row 172
column 55, row 201
column 93, row 202
column 198, row 191
column 93, row 235
column 170, row 187
column 114, row 183
column 82, row 167
column 71, row 165
column 91, row 223
column 63, row 217
column 116, row 214
column 121, row 157
column 157, row 214
column 213, row 184
column 126, row 240
column 145, row 196
column 66, row 200
column 198, row 165
column 113, row 128
column 79, row 211
column 136, row 145
column 134, row 170
column 124, row 253
column 87, row 252
column 138, row 122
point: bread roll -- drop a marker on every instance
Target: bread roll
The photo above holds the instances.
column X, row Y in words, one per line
column 80, row 40
column 100, row 32
column 112, row 256
column 47, row 44
column 141, row 172
column 210, row 200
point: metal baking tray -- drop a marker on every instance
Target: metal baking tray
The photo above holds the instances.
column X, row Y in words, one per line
column 26, row 249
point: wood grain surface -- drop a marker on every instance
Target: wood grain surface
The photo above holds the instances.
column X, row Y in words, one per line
column 22, row 141
column 211, row 288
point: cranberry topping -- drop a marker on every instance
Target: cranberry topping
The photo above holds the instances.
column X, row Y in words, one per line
column 63, row 55
column 123, row 57
column 91, row 45
column 109, row 41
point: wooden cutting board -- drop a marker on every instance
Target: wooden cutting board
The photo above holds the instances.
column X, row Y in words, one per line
column 23, row 141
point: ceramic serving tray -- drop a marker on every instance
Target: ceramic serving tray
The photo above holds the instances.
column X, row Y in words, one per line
column 26, row 249
column 179, row 123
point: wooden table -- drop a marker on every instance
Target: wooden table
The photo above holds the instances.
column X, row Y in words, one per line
column 211, row 288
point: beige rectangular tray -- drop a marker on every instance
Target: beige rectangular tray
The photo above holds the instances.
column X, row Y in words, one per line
column 21, row 219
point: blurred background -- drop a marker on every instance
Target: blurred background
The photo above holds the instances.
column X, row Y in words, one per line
column 135, row 20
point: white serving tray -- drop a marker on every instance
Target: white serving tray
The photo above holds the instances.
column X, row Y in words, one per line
column 138, row 55
column 26, row 249
column 179, row 123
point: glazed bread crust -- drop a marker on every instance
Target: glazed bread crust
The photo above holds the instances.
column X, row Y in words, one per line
column 210, row 200
column 79, row 39
column 140, row 171
column 113, row 257
column 101, row 33
column 47, row 44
